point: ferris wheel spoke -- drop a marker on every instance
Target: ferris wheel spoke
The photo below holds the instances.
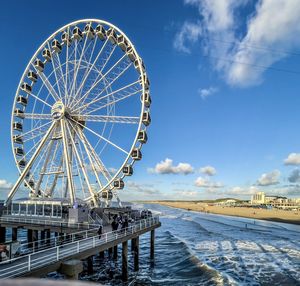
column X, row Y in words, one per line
column 28, row 166
column 82, row 167
column 38, row 116
column 47, row 84
column 44, row 167
column 73, row 90
column 100, row 136
column 61, row 75
column 100, row 166
column 39, row 99
column 121, row 71
column 117, row 98
column 108, row 118
column 55, row 74
column 68, row 162
column 83, row 139
column 89, row 69
column 33, row 131
column 98, row 80
column 115, row 93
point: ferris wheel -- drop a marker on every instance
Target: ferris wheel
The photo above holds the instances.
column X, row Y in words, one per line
column 80, row 115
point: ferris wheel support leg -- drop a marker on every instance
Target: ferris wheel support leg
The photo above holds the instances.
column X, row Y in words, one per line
column 55, row 179
column 44, row 168
column 28, row 166
column 118, row 199
column 83, row 169
column 66, row 155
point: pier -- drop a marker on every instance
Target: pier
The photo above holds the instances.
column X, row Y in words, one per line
column 64, row 252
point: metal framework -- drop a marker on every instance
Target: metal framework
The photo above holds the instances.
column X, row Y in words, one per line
column 80, row 114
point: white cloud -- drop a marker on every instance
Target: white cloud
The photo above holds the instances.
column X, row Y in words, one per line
column 206, row 183
column 167, row 167
column 186, row 193
column 205, row 92
column 5, row 185
column 292, row 159
column 294, row 177
column 242, row 191
column 208, row 170
column 146, row 189
column 268, row 179
column 243, row 58
column 189, row 32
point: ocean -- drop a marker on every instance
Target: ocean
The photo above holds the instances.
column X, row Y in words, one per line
column 205, row 249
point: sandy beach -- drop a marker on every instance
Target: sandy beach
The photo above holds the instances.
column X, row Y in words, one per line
column 264, row 214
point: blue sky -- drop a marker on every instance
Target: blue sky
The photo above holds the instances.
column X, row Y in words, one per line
column 224, row 83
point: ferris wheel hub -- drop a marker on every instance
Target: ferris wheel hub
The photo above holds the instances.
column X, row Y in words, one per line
column 58, row 111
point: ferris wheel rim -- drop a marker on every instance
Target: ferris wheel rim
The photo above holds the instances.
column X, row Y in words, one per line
column 108, row 186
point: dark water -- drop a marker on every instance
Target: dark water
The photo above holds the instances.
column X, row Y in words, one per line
column 206, row 249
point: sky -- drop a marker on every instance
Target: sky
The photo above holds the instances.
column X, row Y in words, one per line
column 224, row 83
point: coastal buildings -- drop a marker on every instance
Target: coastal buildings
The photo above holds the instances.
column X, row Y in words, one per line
column 260, row 198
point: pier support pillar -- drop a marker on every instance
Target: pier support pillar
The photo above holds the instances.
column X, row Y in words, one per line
column 101, row 254
column 124, row 260
column 14, row 234
column 2, row 234
column 152, row 244
column 35, row 238
column 29, row 237
column 43, row 235
column 90, row 265
column 71, row 268
column 110, row 250
column 116, row 252
column 132, row 244
column 48, row 236
column 136, row 251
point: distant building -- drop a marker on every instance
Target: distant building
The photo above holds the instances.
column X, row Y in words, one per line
column 260, row 198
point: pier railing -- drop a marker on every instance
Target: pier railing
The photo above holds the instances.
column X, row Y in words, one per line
column 23, row 264
column 45, row 222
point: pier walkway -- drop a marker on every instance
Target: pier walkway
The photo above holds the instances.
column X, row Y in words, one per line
column 78, row 245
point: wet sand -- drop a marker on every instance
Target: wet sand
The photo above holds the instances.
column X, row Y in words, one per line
column 271, row 215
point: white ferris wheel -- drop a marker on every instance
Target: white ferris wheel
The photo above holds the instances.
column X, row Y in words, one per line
column 80, row 115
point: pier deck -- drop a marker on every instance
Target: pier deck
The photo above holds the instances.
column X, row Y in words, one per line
column 39, row 263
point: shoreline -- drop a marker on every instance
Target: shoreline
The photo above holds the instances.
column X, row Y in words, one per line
column 281, row 216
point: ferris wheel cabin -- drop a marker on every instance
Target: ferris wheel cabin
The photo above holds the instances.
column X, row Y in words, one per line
column 56, row 46
column 130, row 53
column 100, row 32
column 65, row 37
column 39, row 65
column 112, row 35
column 32, row 76
column 136, row 154
column 107, row 195
column 142, row 136
column 119, row 184
column 22, row 100
column 26, row 87
column 46, row 54
column 17, row 139
column 127, row 170
column 77, row 34
column 19, row 151
column 19, row 113
column 122, row 43
column 18, row 126
column 146, row 118
column 89, row 31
